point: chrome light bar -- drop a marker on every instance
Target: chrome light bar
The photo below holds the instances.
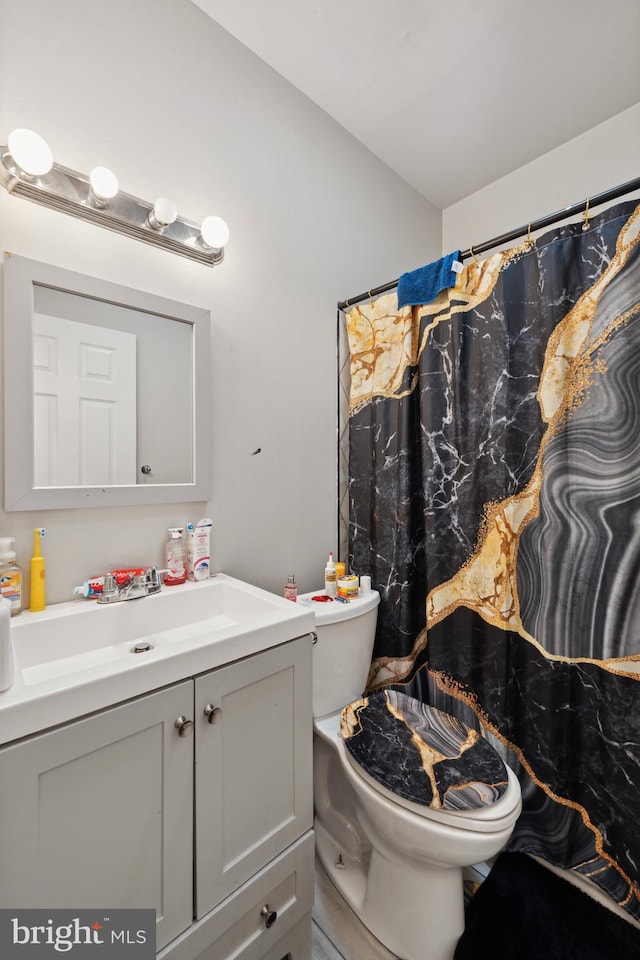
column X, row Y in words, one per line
column 71, row 192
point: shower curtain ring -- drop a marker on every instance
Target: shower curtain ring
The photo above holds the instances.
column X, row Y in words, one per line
column 585, row 216
column 473, row 254
column 529, row 241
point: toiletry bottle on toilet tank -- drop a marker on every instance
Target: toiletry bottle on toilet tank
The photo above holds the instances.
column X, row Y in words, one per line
column 176, row 558
column 330, row 585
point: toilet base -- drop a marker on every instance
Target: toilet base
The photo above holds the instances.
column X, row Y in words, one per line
column 381, row 889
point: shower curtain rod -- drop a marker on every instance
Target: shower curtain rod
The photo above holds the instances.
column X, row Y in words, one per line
column 587, row 204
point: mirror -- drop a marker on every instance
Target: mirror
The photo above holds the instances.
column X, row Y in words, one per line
column 107, row 399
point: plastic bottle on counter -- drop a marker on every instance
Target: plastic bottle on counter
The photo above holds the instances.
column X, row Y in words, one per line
column 11, row 577
column 199, row 549
column 291, row 589
column 6, row 645
column 330, row 579
column 176, row 555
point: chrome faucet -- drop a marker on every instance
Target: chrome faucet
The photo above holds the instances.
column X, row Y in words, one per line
column 142, row 585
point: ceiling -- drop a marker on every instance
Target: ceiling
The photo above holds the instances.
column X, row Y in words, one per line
column 452, row 96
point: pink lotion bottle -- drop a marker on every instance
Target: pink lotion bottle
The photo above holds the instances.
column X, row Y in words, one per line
column 291, row 589
column 176, row 555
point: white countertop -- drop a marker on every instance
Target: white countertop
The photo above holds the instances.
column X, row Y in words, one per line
column 75, row 657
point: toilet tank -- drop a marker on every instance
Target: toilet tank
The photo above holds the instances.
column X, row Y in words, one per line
column 342, row 654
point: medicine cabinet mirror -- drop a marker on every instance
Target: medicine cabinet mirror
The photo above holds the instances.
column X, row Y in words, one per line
column 107, row 398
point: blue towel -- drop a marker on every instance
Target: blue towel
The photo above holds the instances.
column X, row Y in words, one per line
column 423, row 285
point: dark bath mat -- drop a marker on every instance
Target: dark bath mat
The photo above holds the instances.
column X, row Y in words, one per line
column 523, row 911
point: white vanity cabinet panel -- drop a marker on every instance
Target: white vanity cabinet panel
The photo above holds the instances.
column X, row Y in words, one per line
column 99, row 813
column 267, row 918
column 253, row 786
column 118, row 809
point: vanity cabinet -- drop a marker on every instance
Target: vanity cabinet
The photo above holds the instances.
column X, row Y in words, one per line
column 195, row 799
column 99, row 812
column 253, row 783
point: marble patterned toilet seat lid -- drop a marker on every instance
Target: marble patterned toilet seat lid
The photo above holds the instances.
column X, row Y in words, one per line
column 422, row 754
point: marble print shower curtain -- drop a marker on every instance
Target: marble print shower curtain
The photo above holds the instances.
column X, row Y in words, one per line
column 495, row 502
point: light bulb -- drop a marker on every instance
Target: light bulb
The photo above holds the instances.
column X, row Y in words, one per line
column 214, row 232
column 30, row 152
column 104, row 183
column 164, row 213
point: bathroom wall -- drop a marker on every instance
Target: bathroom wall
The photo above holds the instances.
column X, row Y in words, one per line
column 177, row 107
column 599, row 159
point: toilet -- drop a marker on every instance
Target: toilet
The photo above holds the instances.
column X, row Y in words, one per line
column 405, row 796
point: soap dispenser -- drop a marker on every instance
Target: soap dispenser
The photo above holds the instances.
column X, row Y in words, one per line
column 176, row 556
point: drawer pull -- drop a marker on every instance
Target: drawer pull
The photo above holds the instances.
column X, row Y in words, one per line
column 212, row 713
column 270, row 916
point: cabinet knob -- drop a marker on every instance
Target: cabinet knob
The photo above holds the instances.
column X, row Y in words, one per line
column 184, row 727
column 213, row 714
column 270, row 916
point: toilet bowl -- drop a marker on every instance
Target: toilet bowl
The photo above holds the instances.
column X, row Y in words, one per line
column 396, row 860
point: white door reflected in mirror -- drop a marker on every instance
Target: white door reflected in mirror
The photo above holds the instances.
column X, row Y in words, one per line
column 84, row 404
column 101, row 410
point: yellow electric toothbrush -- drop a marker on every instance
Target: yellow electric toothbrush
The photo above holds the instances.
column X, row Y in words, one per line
column 38, row 596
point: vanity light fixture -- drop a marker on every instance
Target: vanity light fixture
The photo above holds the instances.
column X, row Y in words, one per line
column 214, row 233
column 31, row 153
column 104, row 186
column 164, row 213
column 27, row 169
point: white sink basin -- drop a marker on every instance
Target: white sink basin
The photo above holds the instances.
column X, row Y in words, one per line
column 70, row 635
column 81, row 647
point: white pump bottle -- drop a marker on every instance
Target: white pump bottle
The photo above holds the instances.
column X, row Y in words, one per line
column 330, row 578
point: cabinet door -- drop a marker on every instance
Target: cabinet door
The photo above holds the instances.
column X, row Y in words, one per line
column 254, row 791
column 98, row 813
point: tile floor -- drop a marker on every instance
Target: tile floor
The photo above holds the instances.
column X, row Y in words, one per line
column 337, row 932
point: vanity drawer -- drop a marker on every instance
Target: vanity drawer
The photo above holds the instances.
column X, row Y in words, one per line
column 237, row 928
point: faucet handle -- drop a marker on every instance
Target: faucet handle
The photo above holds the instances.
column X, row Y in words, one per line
column 153, row 583
column 110, row 590
column 110, row 584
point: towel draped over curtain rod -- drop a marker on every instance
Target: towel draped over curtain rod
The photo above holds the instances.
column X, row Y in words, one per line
column 584, row 205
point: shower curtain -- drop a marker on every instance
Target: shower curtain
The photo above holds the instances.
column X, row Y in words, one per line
column 494, row 493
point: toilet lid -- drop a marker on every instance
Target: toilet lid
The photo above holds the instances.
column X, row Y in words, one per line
column 422, row 754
